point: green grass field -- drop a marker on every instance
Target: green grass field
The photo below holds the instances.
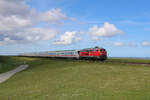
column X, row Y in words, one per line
column 50, row 79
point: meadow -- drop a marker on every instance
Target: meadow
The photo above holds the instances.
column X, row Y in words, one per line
column 58, row 79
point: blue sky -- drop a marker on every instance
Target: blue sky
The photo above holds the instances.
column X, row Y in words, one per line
column 122, row 27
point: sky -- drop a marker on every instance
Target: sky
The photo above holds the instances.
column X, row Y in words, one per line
column 122, row 27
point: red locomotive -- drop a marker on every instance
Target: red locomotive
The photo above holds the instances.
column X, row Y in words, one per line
column 98, row 53
column 88, row 53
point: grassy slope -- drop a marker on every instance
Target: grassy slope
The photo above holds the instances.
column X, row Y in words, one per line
column 47, row 79
column 9, row 62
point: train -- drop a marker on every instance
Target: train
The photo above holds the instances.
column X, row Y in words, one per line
column 87, row 53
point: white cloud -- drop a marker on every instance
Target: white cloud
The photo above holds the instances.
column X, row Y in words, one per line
column 28, row 35
column 14, row 7
column 118, row 44
column 145, row 43
column 35, row 34
column 67, row 38
column 18, row 21
column 53, row 15
column 121, row 44
column 10, row 23
column 107, row 30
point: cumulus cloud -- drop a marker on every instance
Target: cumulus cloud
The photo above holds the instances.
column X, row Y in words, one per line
column 107, row 30
column 121, row 44
column 118, row 44
column 27, row 36
column 67, row 38
column 53, row 15
column 14, row 7
column 145, row 43
column 18, row 22
column 13, row 22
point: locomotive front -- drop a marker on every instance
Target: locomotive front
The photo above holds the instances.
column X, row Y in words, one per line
column 103, row 54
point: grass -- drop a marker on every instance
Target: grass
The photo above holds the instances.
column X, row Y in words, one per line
column 8, row 63
column 50, row 79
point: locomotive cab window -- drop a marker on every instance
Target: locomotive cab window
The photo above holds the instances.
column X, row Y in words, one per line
column 102, row 49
